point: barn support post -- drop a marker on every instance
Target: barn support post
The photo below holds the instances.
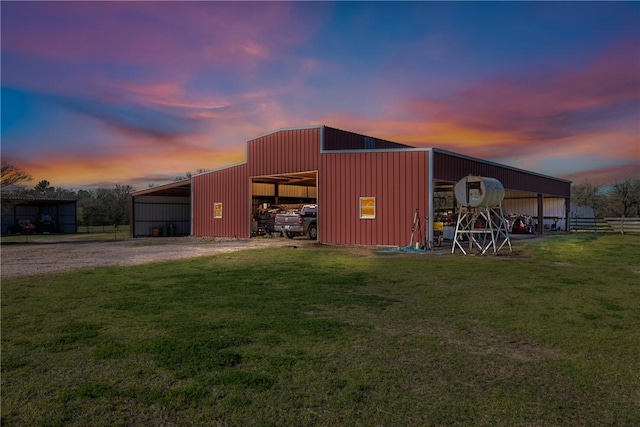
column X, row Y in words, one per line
column 319, row 217
column 540, row 229
column 132, row 216
column 567, row 213
column 192, row 187
column 430, row 217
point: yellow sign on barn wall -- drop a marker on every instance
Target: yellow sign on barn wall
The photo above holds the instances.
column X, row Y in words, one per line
column 367, row 207
column 217, row 210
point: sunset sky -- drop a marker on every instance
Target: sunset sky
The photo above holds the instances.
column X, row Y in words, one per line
column 102, row 93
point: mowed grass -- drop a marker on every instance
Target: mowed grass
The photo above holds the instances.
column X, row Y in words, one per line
column 326, row 336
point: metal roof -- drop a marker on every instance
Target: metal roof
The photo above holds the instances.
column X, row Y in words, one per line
column 178, row 188
column 36, row 201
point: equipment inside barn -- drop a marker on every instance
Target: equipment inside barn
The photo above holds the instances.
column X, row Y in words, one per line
column 481, row 223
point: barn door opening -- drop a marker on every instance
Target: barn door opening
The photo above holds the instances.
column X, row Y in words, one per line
column 274, row 194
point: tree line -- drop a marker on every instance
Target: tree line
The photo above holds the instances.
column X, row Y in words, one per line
column 102, row 206
column 622, row 198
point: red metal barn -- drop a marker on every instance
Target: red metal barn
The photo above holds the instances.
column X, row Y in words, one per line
column 368, row 190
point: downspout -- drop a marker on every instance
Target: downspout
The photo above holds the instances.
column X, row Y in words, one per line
column 430, row 217
column 191, row 203
column 318, row 199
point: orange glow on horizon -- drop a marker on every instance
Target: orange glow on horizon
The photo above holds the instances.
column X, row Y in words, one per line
column 425, row 134
column 67, row 171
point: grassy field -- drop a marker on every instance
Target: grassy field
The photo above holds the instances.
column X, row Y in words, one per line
column 326, row 336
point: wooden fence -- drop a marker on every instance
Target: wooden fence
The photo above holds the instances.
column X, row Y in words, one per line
column 605, row 225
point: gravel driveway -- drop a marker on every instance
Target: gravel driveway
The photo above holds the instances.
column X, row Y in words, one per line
column 25, row 259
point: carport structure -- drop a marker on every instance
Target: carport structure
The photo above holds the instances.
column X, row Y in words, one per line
column 162, row 208
column 368, row 190
column 63, row 212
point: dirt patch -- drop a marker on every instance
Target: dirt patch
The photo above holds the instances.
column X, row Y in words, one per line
column 70, row 252
column 477, row 340
column 482, row 340
column 561, row 264
column 47, row 256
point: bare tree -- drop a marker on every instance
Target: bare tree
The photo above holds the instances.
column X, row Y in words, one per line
column 588, row 194
column 122, row 204
column 111, row 206
column 188, row 175
column 11, row 175
column 624, row 198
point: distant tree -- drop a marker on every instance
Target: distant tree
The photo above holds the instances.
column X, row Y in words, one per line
column 105, row 206
column 81, row 194
column 11, row 175
column 121, row 204
column 43, row 188
column 188, row 175
column 624, row 198
column 588, row 194
column 63, row 193
column 111, row 206
column 89, row 211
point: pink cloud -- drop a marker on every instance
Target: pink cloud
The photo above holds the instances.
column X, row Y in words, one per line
column 548, row 105
column 591, row 112
column 153, row 33
column 594, row 110
column 606, row 176
column 166, row 95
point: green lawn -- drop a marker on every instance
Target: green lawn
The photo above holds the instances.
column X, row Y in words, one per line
column 326, row 336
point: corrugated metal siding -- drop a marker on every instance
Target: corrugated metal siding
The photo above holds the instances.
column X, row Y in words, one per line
column 337, row 139
column 398, row 181
column 297, row 191
column 262, row 189
column 231, row 188
column 286, row 151
column 66, row 218
column 161, row 211
column 301, row 191
column 553, row 207
column 453, row 168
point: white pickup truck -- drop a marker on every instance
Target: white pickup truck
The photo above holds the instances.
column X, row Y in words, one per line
column 300, row 223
